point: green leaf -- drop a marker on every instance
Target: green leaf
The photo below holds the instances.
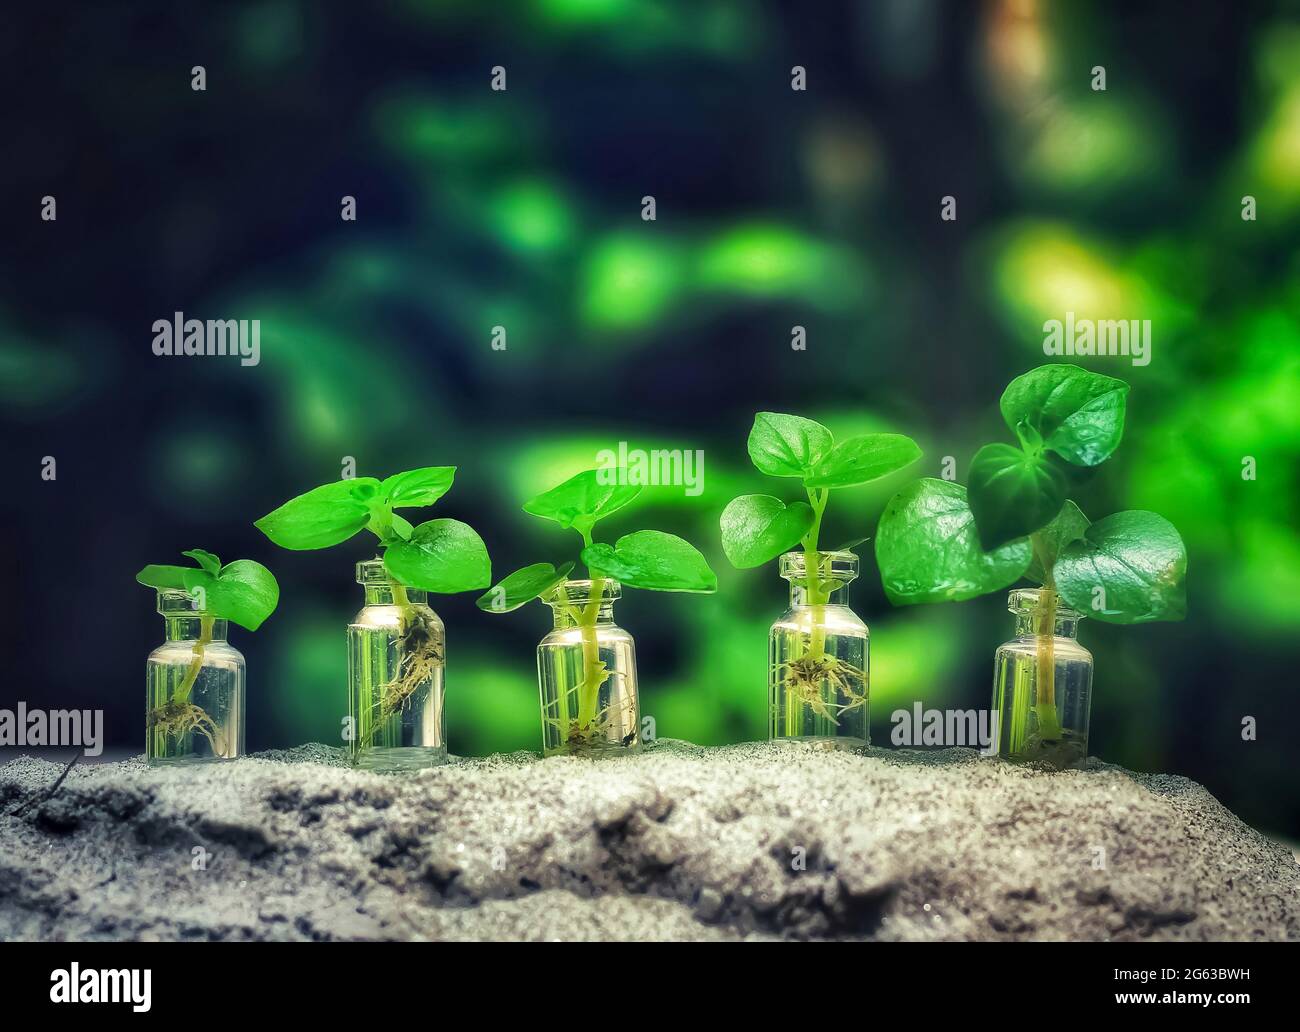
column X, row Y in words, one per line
column 787, row 446
column 206, row 560
column 445, row 556
column 523, row 586
column 1012, row 493
column 851, row 544
column 1139, row 562
column 402, row 527
column 1077, row 413
column 653, row 560
column 244, row 592
column 928, row 549
column 757, row 528
column 322, row 517
column 417, row 487
column 1066, row 526
column 582, row 500
column 860, row 460
column 164, row 577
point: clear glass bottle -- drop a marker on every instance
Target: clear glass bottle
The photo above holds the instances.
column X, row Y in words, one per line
column 396, row 658
column 1042, row 684
column 194, row 688
column 586, row 671
column 818, row 674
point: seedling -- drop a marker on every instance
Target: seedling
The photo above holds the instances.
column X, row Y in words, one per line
column 940, row 542
column 758, row 528
column 443, row 555
column 649, row 559
column 243, row 592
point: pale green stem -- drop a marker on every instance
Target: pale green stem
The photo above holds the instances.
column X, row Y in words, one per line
column 593, row 671
column 812, row 574
column 196, row 664
column 1049, row 724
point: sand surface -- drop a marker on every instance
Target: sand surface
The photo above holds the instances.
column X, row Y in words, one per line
column 677, row 842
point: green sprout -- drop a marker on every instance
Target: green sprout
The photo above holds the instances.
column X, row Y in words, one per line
column 443, row 556
column 243, row 592
column 649, row 559
column 939, row 542
column 758, row 528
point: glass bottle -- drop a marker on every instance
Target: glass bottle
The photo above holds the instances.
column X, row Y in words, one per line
column 818, row 674
column 1042, row 684
column 396, row 657
column 194, row 687
column 586, row 671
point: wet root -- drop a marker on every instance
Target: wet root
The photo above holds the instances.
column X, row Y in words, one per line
column 807, row 677
column 174, row 719
column 421, row 655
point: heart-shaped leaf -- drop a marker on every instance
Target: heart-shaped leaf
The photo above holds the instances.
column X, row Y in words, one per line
column 1076, row 413
column 417, row 487
column 928, row 549
column 860, row 460
column 782, row 445
column 244, row 592
column 1129, row 568
column 324, row 516
column 445, row 556
column 1012, row 493
column 757, row 528
column 582, row 500
column 1067, row 525
column 523, row 586
column 652, row 560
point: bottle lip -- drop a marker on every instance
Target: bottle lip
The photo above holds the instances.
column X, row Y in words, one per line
column 578, row 592
column 179, row 602
column 835, row 565
column 1024, row 602
column 373, row 571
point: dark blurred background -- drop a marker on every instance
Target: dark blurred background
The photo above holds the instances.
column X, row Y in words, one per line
column 522, row 209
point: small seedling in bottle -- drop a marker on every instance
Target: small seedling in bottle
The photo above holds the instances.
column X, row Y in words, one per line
column 940, row 542
column 818, row 673
column 398, row 650
column 195, row 680
column 586, row 667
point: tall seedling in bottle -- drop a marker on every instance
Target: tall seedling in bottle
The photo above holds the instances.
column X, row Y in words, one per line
column 586, row 666
column 940, row 542
column 818, row 676
column 397, row 644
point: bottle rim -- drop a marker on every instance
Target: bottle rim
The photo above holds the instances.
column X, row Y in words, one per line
column 1024, row 602
column 840, row 565
column 578, row 592
column 179, row 602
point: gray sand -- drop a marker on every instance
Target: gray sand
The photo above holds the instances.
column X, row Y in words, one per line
column 678, row 842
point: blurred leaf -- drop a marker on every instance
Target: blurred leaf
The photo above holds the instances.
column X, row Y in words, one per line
column 627, row 282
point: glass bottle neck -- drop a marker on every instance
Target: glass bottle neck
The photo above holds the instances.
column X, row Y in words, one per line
column 192, row 628
column 572, row 614
column 1033, row 625
column 393, row 595
column 800, row 596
